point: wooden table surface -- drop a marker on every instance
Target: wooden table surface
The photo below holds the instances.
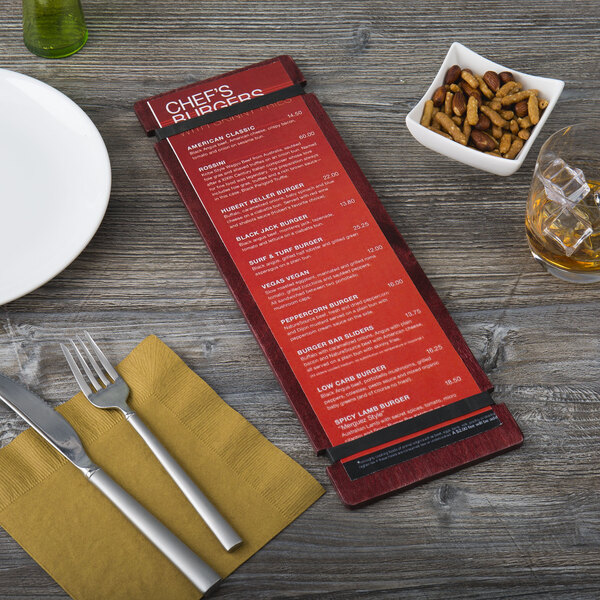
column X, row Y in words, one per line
column 522, row 525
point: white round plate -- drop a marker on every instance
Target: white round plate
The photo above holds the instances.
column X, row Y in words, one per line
column 54, row 179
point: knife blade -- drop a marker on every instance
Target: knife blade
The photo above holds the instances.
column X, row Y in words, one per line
column 52, row 426
column 59, row 433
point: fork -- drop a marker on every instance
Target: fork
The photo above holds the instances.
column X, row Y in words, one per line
column 110, row 391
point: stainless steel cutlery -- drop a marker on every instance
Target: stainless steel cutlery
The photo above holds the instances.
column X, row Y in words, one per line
column 108, row 390
column 58, row 432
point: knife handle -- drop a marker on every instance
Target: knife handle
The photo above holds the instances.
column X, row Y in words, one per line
column 191, row 565
column 224, row 532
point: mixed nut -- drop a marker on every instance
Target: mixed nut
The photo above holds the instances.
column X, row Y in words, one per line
column 490, row 112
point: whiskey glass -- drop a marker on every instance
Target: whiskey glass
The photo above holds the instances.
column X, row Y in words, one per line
column 563, row 207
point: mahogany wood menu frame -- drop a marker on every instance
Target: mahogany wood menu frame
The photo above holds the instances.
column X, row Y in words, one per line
column 409, row 419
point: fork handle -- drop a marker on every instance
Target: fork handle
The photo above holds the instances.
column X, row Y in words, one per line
column 191, row 565
column 224, row 532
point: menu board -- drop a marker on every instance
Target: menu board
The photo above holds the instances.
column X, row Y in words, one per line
column 359, row 337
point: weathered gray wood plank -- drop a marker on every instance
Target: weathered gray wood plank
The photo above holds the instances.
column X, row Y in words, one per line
column 524, row 525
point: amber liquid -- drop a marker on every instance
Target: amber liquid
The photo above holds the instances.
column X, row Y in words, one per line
column 541, row 211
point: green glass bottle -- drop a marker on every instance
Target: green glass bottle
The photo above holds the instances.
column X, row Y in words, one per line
column 53, row 28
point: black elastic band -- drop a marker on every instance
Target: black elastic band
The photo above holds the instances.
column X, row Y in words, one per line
column 393, row 432
column 230, row 111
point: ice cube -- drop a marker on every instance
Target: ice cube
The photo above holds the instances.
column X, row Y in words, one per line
column 592, row 208
column 569, row 228
column 563, row 183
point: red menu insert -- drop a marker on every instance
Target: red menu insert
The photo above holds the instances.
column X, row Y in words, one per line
column 360, row 339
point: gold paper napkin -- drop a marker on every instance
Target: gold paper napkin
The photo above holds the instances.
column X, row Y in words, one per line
column 85, row 543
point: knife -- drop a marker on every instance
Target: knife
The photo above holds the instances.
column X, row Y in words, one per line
column 57, row 431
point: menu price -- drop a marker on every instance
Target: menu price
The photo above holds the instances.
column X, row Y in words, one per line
column 362, row 342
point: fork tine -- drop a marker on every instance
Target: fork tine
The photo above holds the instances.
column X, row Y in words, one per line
column 85, row 388
column 96, row 366
column 105, row 362
column 86, row 368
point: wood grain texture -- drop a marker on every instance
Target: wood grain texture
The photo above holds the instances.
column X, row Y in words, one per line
column 523, row 525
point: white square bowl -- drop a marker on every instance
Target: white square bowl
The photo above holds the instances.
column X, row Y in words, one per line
column 550, row 89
